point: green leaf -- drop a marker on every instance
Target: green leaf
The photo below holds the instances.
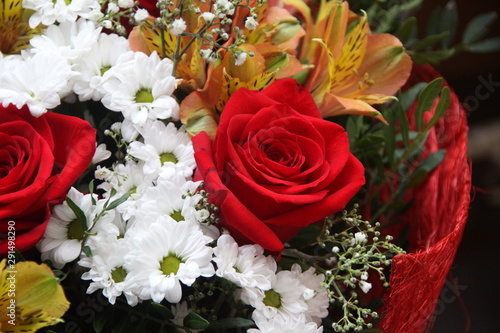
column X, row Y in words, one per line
column 80, row 215
column 426, row 99
column 101, row 319
column 236, row 322
column 195, row 321
column 91, row 191
column 429, row 41
column 478, row 27
column 390, row 137
column 403, row 123
column 424, row 168
column 118, row 201
column 87, row 250
column 441, row 108
column 449, row 22
column 410, row 5
column 407, row 29
column 408, row 97
column 433, row 25
column 431, row 57
column 160, row 311
column 484, row 46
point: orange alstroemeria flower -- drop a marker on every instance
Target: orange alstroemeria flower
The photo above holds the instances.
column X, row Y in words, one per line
column 15, row 32
column 353, row 69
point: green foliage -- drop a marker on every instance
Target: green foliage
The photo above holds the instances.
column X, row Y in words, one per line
column 392, row 154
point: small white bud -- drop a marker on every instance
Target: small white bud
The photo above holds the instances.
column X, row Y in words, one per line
column 141, row 15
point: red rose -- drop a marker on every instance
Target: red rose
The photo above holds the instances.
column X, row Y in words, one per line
column 275, row 165
column 39, row 160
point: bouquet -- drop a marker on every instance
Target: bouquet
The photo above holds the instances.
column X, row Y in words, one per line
column 228, row 166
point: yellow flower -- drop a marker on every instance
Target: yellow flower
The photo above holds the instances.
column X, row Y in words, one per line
column 30, row 297
column 15, row 32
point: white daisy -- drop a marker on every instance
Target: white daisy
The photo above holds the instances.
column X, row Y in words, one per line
column 284, row 298
column 63, row 237
column 49, row 11
column 167, row 198
column 106, row 268
column 128, row 178
column 166, row 151
column 283, row 324
column 245, row 266
column 315, row 295
column 168, row 253
column 142, row 88
column 95, row 67
column 36, row 81
column 69, row 40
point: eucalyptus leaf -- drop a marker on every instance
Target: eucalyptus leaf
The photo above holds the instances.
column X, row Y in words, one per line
column 449, row 22
column 426, row 99
column 408, row 97
column 195, row 321
column 390, row 137
column 403, row 124
column 431, row 57
column 226, row 323
column 80, row 215
column 429, row 41
column 484, row 46
column 425, row 167
column 441, row 108
column 407, row 29
column 478, row 27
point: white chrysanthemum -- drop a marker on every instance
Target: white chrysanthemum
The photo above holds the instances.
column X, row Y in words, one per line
column 69, row 40
column 48, row 12
column 284, row 298
column 245, row 266
column 283, row 324
column 128, row 178
column 315, row 295
column 166, row 151
column 106, row 268
column 168, row 253
column 142, row 88
column 36, row 81
column 180, row 311
column 63, row 237
column 101, row 153
column 96, row 67
column 167, row 198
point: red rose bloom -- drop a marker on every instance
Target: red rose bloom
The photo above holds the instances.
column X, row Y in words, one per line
column 40, row 158
column 275, row 165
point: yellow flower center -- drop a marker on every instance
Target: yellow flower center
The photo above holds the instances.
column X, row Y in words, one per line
column 170, row 265
column 168, row 157
column 118, row 274
column 272, row 299
column 176, row 215
column 144, row 96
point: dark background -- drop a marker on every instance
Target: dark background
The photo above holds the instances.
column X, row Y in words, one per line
column 470, row 298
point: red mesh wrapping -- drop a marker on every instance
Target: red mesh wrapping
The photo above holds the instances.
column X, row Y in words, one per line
column 437, row 219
